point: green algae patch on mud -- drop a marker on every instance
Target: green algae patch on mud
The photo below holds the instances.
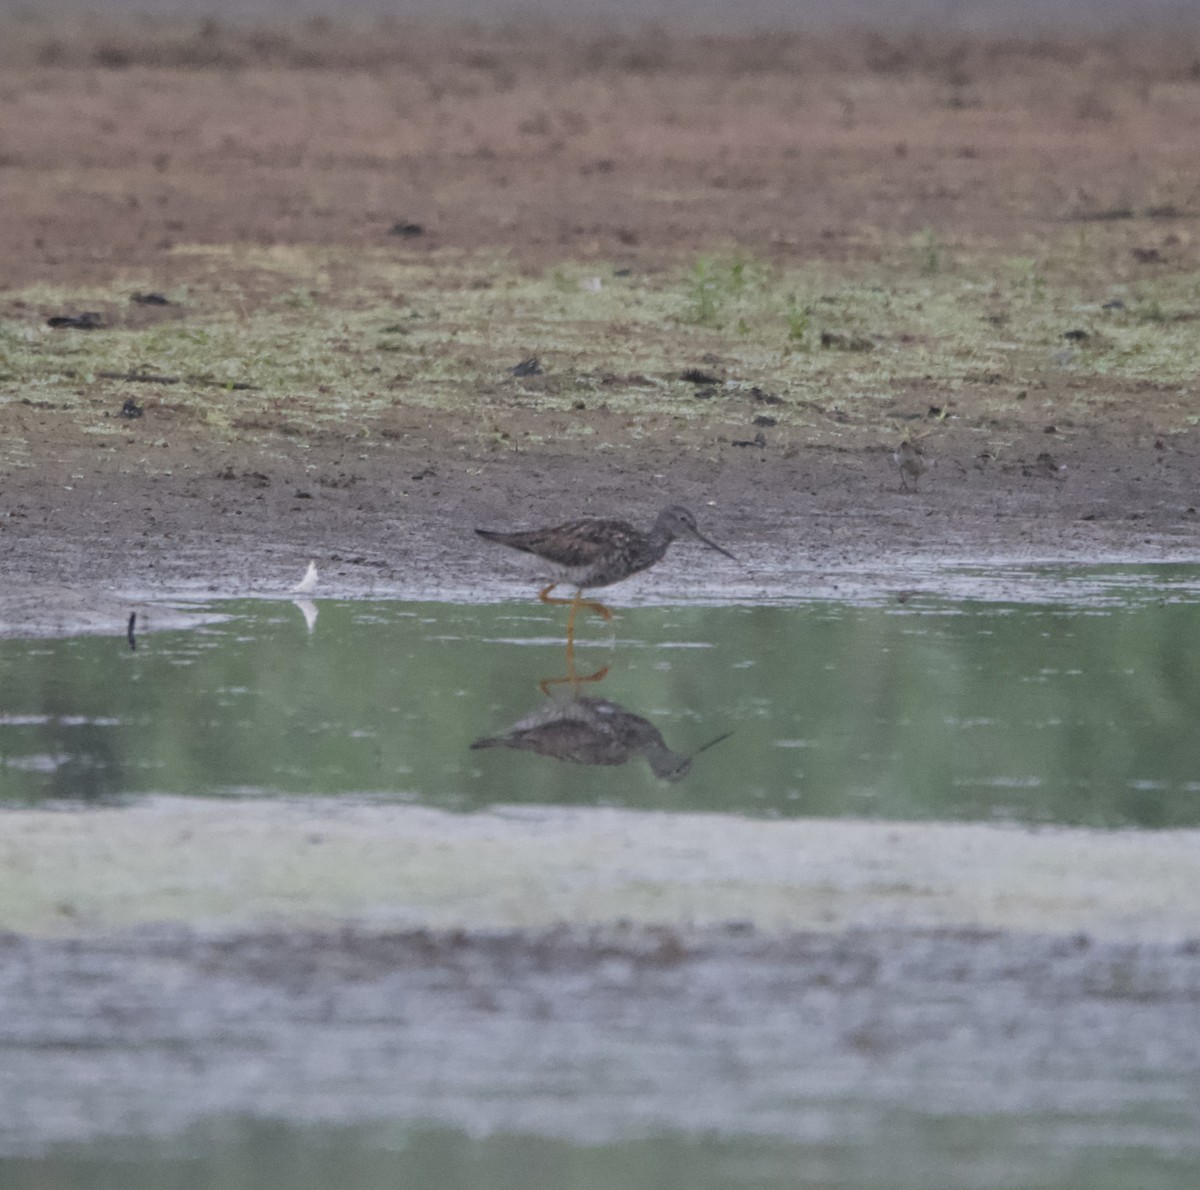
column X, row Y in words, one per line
column 238, row 864
column 301, row 343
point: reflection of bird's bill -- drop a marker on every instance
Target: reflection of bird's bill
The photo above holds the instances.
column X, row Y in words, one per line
column 711, row 744
column 712, row 545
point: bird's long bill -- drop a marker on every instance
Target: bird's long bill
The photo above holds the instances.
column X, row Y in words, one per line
column 712, row 545
column 710, row 744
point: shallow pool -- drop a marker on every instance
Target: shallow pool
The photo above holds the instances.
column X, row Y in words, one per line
column 916, row 707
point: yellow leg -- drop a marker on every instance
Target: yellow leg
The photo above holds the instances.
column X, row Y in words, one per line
column 598, row 608
column 545, row 596
column 574, row 678
column 571, row 630
column 574, row 604
column 576, row 601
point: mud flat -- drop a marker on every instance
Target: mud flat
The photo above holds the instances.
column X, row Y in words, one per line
column 592, row 974
column 253, row 864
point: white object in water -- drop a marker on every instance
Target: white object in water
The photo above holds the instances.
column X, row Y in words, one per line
column 308, row 610
column 308, row 582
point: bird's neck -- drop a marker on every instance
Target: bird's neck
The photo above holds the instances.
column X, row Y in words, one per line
column 661, row 535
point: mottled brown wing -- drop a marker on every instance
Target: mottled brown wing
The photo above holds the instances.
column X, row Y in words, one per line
column 574, row 544
column 563, row 739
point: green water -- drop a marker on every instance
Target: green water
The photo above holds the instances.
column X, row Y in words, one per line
column 895, row 1154
column 929, row 709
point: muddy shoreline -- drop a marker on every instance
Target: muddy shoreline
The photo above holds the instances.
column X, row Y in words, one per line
column 812, row 526
column 603, row 1035
column 227, row 865
column 238, row 174
column 563, row 974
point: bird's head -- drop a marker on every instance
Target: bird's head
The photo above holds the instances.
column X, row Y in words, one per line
column 677, row 521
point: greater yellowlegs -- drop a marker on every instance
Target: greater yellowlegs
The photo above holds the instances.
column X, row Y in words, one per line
column 596, row 553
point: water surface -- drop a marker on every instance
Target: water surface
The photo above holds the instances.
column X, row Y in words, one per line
column 1077, row 712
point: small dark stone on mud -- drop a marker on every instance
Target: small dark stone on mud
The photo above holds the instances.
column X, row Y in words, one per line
column 150, row 299
column 698, row 376
column 303, row 495
column 765, row 398
column 530, row 366
column 840, row 341
column 1115, row 304
column 1050, row 430
column 1147, row 255
column 408, row 230
column 763, row 420
column 759, row 440
column 131, row 409
column 1076, row 335
column 1045, row 464
column 90, row 320
column 425, row 473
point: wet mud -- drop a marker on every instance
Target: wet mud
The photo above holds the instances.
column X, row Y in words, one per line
column 596, row 1034
column 590, row 975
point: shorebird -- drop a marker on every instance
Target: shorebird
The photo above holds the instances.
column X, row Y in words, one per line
column 912, row 464
column 596, row 553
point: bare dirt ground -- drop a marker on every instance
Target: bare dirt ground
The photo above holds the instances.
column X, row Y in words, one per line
column 123, row 144
column 1074, row 1053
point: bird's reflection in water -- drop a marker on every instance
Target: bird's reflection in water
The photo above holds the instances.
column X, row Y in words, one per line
column 591, row 731
column 587, row 730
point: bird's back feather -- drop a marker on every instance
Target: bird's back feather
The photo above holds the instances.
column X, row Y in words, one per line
column 575, row 544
